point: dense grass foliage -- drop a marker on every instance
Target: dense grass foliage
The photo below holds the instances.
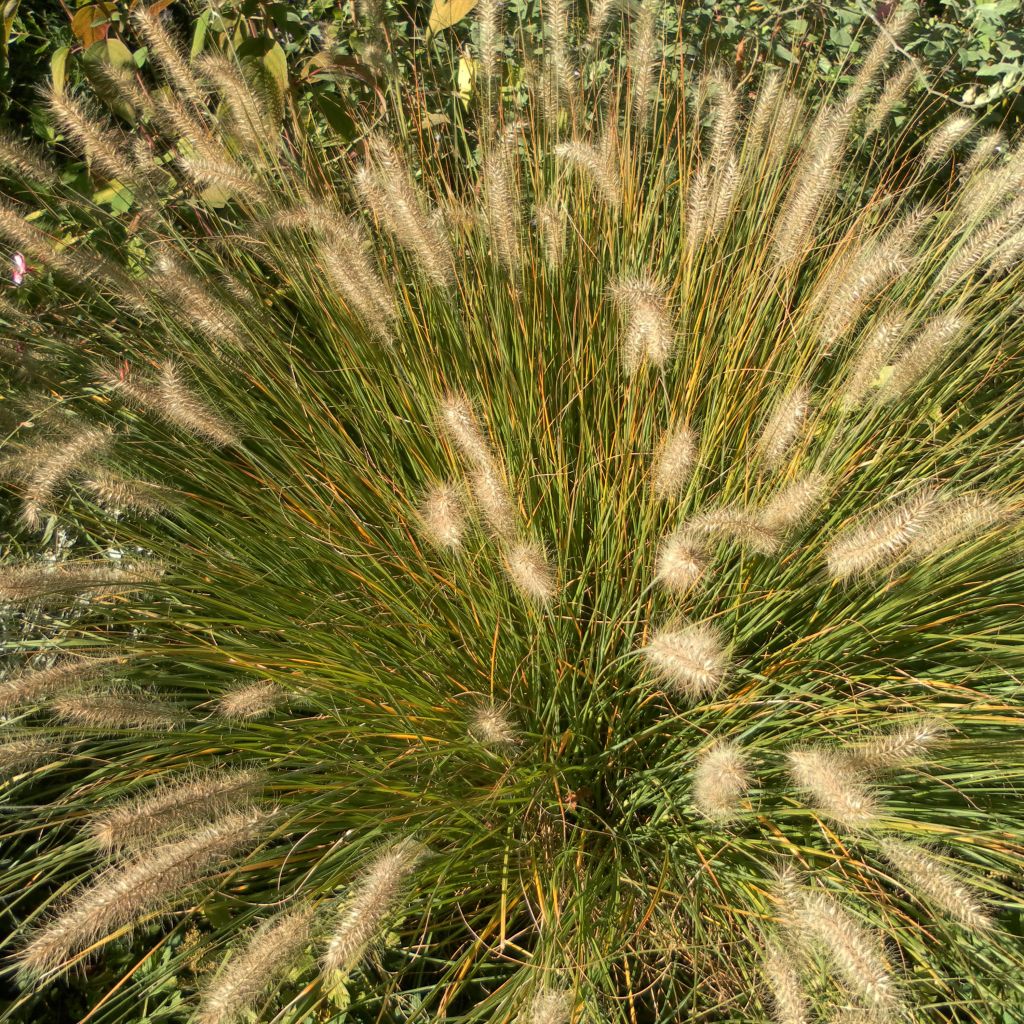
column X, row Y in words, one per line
column 579, row 583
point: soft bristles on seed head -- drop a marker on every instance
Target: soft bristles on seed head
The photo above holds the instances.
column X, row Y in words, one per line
column 203, row 796
column 178, row 405
column 373, row 899
column 493, row 500
column 250, row 701
column 783, row 426
column 928, row 877
column 49, row 584
column 789, row 998
column 266, row 957
column 26, row 752
column 924, row 353
column 792, row 505
column 597, row 166
column 744, row 526
column 649, row 332
column 945, row 137
column 492, row 727
column 904, row 744
column 153, row 880
column 530, row 570
column 691, row 659
column 441, row 516
column 29, row 686
column 673, row 461
column 116, row 710
column 720, row 781
column 878, row 541
column 681, row 561
column 120, row 494
column 460, row 423
column 549, row 1005
column 872, row 353
column 856, row 952
column 836, row 786
column 957, row 521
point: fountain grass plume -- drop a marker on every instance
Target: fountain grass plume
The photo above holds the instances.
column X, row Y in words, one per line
column 612, row 489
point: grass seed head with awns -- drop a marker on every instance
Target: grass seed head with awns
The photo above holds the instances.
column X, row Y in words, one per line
column 579, row 584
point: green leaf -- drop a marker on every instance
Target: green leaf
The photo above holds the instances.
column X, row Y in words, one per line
column 446, row 13
column 275, row 62
column 58, row 68
column 199, row 36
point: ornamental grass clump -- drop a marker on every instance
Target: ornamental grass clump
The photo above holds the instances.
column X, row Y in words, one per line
column 579, row 582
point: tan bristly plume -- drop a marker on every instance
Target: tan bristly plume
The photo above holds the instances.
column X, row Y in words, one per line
column 549, row 1005
column 179, row 406
column 814, row 183
column 459, row 421
column 792, row 505
column 391, row 194
column 720, row 781
column 985, row 150
column 983, row 244
column 52, row 584
column 490, row 22
column 150, row 882
column 870, row 356
column 24, row 161
column 765, row 109
column 530, row 570
column 945, row 137
column 691, row 659
column 783, row 426
column 926, row 876
column 600, row 13
column 121, row 494
column 682, row 561
column 190, row 801
column 37, row 245
column 207, row 171
column 674, row 459
column 249, row 122
column 903, row 745
column 744, row 526
column 649, row 331
column 55, row 462
column 266, row 957
column 958, row 520
column 250, row 701
column 29, row 686
column 923, row 353
column 641, row 59
column 594, row 163
column 856, row 952
column 441, row 516
column 835, row 785
column 551, row 221
column 556, row 44
column 374, row 897
column 878, row 541
column 492, row 727
column 104, row 148
column 892, row 93
column 204, row 310
column 889, row 34
column 502, row 200
column 789, row 998
column 26, row 752
column 115, row 711
column 165, row 52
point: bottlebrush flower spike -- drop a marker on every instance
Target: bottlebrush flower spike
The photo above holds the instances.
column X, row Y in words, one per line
column 649, row 332
column 251, row 701
column 31, row 685
column 789, row 999
column 673, row 461
column 690, row 659
column 549, row 1005
column 836, row 786
column 492, row 727
column 902, row 745
column 720, row 781
column 373, row 899
column 783, row 426
column 681, row 561
column 530, row 570
column 442, row 518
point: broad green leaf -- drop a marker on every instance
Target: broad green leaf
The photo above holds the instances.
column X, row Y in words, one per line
column 199, row 36
column 275, row 62
column 58, row 68
column 446, row 13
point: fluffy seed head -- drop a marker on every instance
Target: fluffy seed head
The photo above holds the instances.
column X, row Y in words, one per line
column 720, row 781
column 871, row 354
column 880, row 540
column 178, row 405
column 26, row 752
column 945, row 137
column 442, row 518
column 924, row 352
column 691, row 660
column 789, row 999
column 927, row 877
column 203, row 796
column 151, row 881
column 53, row 584
column 115, row 711
column 743, row 526
column 649, row 333
column 492, row 727
column 673, row 461
column 29, row 686
column 957, row 521
column 530, row 570
column 902, row 745
column 681, row 561
column 856, row 953
column 783, row 426
column 463, row 428
column 595, row 164
column 373, row 899
column 24, row 161
column 121, row 494
column 835, row 784
column 251, row 701
column 892, row 93
column 265, row 958
column 792, row 504
column 549, row 1005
